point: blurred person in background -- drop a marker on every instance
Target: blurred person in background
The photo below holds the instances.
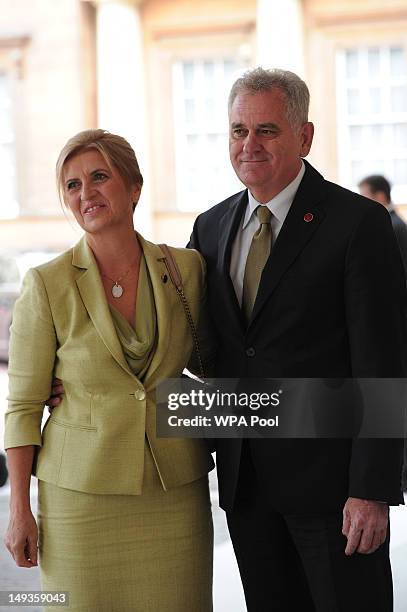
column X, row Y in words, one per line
column 124, row 519
column 377, row 187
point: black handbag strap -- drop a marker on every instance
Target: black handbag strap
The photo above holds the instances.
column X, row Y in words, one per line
column 176, row 278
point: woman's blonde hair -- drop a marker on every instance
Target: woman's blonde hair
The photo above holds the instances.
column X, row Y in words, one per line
column 114, row 149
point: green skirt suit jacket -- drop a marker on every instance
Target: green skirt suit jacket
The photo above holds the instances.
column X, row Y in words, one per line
column 99, row 449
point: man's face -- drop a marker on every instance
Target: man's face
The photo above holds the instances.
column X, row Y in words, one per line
column 265, row 150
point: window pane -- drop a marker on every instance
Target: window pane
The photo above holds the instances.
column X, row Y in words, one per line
column 398, row 64
column 354, row 105
column 376, row 136
column 201, row 131
column 213, row 141
column 357, row 171
column 209, row 108
column 209, row 73
column 192, row 178
column 375, row 84
column 190, row 109
column 373, row 61
column 400, row 171
column 374, row 98
column 188, row 69
column 356, row 136
column 230, row 67
column 376, row 166
column 352, row 64
column 400, row 135
column 217, row 146
column 192, row 144
column 361, row 168
column 399, row 99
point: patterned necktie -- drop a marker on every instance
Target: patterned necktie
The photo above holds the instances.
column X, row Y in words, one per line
column 256, row 260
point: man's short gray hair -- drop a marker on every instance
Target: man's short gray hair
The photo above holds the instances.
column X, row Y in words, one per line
column 295, row 90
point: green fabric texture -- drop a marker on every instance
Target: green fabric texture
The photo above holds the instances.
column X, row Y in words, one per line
column 138, row 343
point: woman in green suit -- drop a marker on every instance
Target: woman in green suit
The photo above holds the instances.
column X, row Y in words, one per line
column 124, row 521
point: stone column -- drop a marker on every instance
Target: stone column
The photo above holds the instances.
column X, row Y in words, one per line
column 122, row 106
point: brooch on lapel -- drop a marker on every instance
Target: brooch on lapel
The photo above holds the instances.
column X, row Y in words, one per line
column 308, row 217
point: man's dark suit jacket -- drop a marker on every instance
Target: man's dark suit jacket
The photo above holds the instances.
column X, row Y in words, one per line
column 400, row 229
column 331, row 303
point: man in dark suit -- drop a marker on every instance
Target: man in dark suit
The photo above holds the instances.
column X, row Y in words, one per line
column 377, row 187
column 308, row 517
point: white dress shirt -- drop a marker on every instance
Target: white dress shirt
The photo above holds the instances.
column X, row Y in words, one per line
column 279, row 207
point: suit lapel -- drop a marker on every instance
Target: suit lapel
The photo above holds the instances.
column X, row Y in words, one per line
column 293, row 236
column 93, row 296
column 228, row 227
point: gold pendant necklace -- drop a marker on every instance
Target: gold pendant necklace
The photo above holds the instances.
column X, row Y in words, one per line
column 117, row 290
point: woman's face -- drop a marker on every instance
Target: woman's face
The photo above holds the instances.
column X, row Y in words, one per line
column 97, row 196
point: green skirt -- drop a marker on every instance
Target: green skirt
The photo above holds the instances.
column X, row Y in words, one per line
column 120, row 553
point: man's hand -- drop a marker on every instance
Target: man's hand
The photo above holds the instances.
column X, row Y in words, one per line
column 364, row 524
column 55, row 398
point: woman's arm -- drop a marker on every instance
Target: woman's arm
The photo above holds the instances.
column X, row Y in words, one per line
column 31, row 363
column 22, row 535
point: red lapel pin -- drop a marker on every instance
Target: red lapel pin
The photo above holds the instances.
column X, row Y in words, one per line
column 308, row 217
